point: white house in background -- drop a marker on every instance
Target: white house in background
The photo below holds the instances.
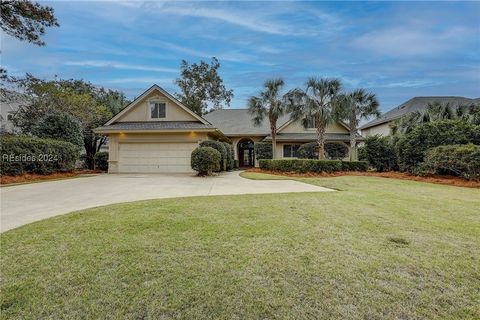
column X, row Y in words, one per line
column 10, row 101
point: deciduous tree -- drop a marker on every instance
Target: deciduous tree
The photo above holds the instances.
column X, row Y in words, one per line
column 92, row 106
column 26, row 20
column 201, row 86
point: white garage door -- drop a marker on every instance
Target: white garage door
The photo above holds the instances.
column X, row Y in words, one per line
column 155, row 157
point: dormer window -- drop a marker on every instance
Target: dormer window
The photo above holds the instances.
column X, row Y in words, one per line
column 158, row 110
column 310, row 121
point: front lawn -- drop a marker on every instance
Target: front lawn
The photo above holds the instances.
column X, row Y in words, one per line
column 376, row 249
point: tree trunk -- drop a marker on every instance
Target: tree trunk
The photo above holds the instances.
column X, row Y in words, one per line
column 353, row 146
column 273, row 132
column 92, row 144
column 321, row 141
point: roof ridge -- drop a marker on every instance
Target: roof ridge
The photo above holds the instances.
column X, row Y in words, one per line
column 433, row 97
column 223, row 109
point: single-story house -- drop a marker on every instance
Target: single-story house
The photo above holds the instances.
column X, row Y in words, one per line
column 381, row 125
column 157, row 133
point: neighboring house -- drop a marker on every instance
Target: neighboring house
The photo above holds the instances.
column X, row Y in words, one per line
column 157, row 133
column 10, row 102
column 381, row 125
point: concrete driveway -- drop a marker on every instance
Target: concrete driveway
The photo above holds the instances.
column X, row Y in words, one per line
column 32, row 202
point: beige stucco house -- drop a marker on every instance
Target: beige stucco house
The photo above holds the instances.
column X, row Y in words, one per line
column 157, row 133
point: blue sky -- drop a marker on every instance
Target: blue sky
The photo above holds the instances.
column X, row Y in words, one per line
column 397, row 50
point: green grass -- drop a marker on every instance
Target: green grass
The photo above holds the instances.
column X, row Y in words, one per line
column 377, row 249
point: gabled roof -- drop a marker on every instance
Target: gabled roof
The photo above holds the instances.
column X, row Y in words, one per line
column 417, row 104
column 286, row 124
column 239, row 122
column 146, row 93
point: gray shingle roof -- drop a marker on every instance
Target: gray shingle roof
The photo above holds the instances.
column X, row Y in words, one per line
column 311, row 137
column 239, row 122
column 156, row 125
column 417, row 104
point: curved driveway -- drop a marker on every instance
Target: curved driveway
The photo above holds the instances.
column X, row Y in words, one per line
column 27, row 203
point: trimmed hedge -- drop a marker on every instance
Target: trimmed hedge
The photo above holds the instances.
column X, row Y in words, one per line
column 459, row 160
column 22, row 154
column 101, row 160
column 263, row 150
column 229, row 149
column 310, row 165
column 354, row 165
column 205, row 160
column 412, row 147
column 220, row 147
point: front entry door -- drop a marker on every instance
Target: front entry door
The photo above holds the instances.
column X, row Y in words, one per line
column 246, row 157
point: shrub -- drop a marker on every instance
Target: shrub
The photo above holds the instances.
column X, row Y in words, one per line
column 354, row 165
column 22, row 154
column 263, row 150
column 59, row 126
column 308, row 150
column 333, row 150
column 311, row 165
column 205, row 160
column 220, row 147
column 101, row 160
column 411, row 147
column 379, row 152
column 229, row 149
column 232, row 152
column 459, row 160
column 301, row 165
column 362, row 153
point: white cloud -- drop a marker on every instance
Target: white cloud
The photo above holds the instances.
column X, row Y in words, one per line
column 141, row 80
column 269, row 49
column 247, row 21
column 116, row 65
column 412, row 39
column 409, row 84
column 232, row 56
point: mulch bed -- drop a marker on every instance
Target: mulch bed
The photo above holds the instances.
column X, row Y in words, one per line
column 447, row 180
column 27, row 177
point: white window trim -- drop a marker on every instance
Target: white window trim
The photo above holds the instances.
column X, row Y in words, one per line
column 149, row 109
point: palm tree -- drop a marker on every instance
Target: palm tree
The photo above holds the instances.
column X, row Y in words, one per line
column 269, row 103
column 433, row 112
column 352, row 108
column 469, row 113
column 316, row 103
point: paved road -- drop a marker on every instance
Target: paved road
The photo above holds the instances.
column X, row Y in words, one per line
column 27, row 203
